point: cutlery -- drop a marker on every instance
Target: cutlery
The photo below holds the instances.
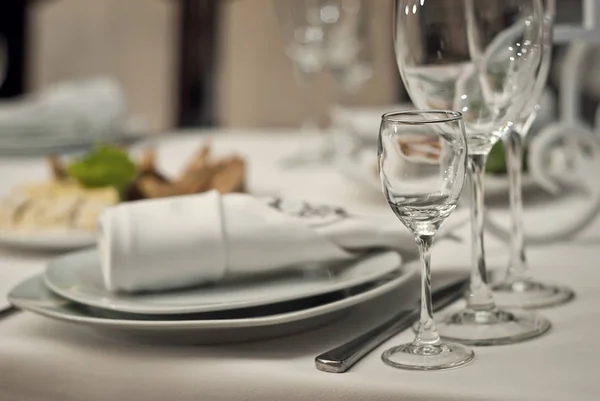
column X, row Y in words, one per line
column 9, row 310
column 343, row 357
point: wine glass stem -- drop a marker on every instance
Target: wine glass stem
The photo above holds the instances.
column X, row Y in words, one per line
column 480, row 297
column 306, row 80
column 517, row 268
column 427, row 333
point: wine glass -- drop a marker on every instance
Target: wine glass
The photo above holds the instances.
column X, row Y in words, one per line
column 518, row 288
column 477, row 57
column 304, row 26
column 350, row 63
column 349, row 55
column 422, row 165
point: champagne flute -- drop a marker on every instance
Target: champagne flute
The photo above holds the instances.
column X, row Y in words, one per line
column 477, row 57
column 518, row 288
column 422, row 165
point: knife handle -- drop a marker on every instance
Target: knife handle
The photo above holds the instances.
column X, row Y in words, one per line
column 342, row 358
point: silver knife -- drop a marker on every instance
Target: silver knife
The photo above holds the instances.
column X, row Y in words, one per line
column 342, row 358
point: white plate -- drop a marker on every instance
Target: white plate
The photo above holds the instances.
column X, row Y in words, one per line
column 33, row 296
column 77, row 277
column 47, row 241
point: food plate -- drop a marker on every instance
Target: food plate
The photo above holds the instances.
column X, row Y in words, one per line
column 32, row 295
column 78, row 277
column 47, row 241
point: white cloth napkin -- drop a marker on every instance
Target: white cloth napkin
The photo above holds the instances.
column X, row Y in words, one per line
column 168, row 243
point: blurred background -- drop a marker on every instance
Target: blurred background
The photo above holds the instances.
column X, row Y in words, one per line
column 199, row 63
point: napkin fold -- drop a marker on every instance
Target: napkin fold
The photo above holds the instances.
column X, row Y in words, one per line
column 162, row 244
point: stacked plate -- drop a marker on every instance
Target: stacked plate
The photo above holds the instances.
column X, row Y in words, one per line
column 243, row 309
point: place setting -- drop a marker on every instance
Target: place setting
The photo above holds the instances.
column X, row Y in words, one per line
column 193, row 271
column 248, row 268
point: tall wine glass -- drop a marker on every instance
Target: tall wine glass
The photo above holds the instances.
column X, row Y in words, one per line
column 518, row 288
column 350, row 63
column 477, row 57
column 349, row 50
column 422, row 165
column 304, row 26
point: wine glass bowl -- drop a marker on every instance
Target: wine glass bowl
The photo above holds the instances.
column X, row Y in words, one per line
column 349, row 56
column 422, row 167
column 419, row 166
column 474, row 56
column 303, row 32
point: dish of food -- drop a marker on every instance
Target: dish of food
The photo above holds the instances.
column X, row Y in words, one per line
column 62, row 213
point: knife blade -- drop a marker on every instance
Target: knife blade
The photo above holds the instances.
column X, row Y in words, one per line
column 343, row 357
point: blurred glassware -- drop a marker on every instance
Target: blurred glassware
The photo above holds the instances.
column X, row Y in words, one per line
column 349, row 48
column 477, row 57
column 304, row 26
column 422, row 166
column 519, row 289
column 350, row 62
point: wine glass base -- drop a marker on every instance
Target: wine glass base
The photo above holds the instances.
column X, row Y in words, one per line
column 529, row 294
column 496, row 327
column 413, row 356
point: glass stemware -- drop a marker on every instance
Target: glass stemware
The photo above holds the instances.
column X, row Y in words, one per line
column 304, row 27
column 349, row 56
column 477, row 57
column 422, row 165
column 350, row 63
column 518, row 288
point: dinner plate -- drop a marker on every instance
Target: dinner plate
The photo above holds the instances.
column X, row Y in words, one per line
column 32, row 295
column 47, row 240
column 78, row 277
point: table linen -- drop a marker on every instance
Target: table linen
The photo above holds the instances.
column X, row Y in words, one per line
column 44, row 359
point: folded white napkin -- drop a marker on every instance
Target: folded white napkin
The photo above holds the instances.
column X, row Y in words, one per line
column 173, row 242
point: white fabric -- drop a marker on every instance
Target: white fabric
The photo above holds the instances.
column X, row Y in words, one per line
column 209, row 236
column 41, row 359
column 89, row 107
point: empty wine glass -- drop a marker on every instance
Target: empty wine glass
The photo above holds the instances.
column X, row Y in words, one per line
column 422, row 165
column 350, row 63
column 477, row 57
column 303, row 25
column 519, row 289
column 349, row 55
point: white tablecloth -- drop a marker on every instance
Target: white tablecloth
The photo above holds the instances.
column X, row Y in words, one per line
column 41, row 359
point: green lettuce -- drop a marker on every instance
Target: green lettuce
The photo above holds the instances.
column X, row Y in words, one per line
column 104, row 166
column 496, row 162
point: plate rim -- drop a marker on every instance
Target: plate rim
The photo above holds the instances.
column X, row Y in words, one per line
column 101, row 302
column 408, row 269
column 44, row 240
